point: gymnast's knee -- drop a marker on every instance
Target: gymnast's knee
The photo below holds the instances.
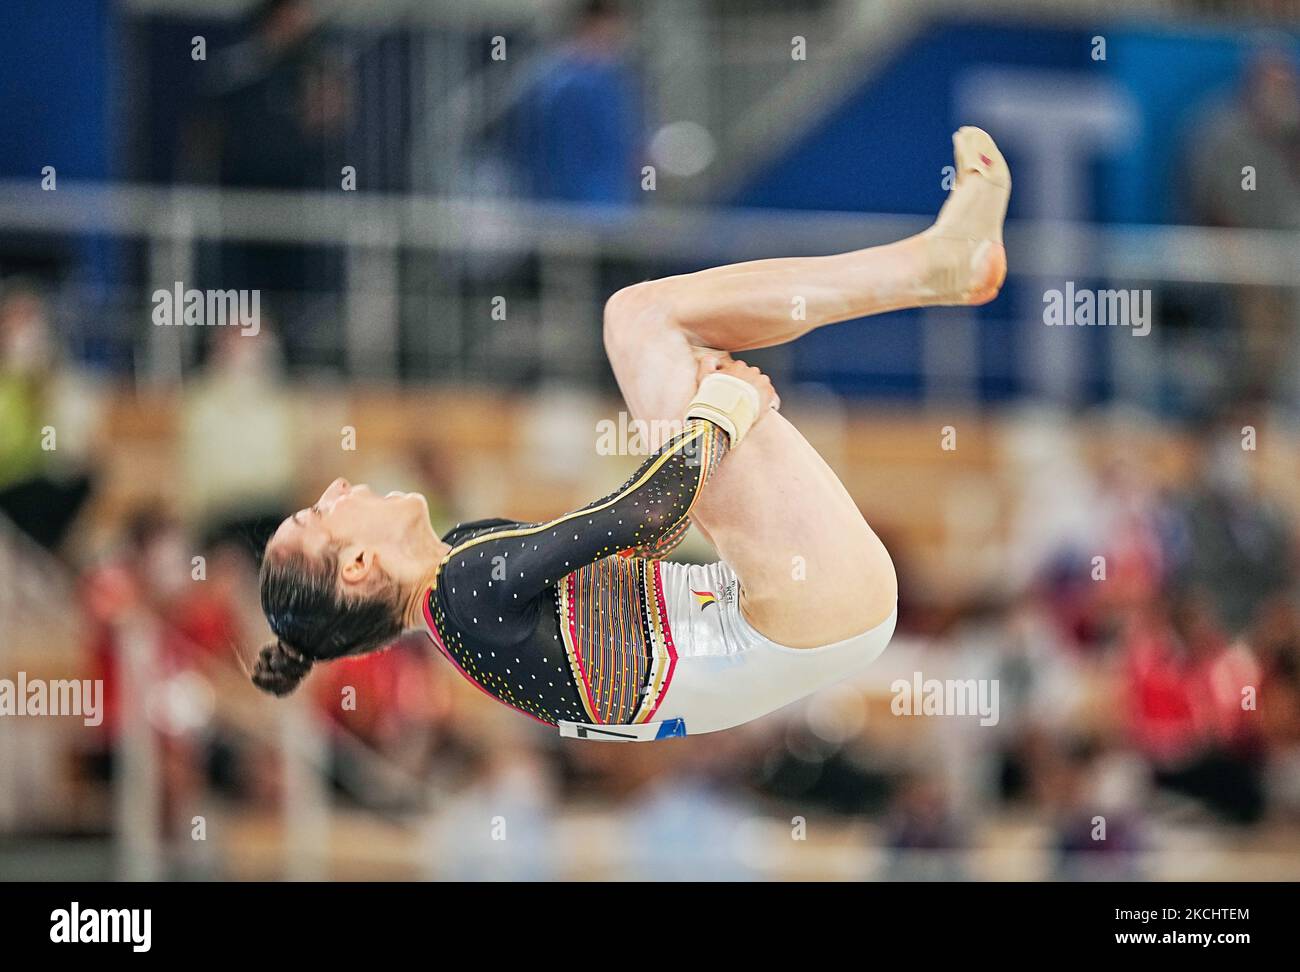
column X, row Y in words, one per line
column 879, row 586
column 869, row 591
column 633, row 313
column 627, row 306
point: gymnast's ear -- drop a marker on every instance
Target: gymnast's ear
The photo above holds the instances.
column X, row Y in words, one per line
column 357, row 564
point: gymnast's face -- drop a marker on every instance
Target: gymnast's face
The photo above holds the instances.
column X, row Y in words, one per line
column 375, row 535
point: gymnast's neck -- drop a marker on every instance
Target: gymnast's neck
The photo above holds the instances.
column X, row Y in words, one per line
column 413, row 612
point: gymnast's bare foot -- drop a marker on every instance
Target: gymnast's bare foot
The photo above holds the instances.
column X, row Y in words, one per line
column 965, row 261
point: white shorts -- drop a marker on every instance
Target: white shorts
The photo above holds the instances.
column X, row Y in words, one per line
column 721, row 672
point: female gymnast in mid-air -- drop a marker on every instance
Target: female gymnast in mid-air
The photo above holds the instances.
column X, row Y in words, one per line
column 577, row 621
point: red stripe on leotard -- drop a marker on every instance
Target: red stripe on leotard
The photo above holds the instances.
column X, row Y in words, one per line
column 668, row 640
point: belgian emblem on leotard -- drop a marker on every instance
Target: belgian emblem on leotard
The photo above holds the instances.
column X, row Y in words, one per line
column 704, row 598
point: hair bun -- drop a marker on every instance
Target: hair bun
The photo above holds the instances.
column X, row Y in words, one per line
column 279, row 669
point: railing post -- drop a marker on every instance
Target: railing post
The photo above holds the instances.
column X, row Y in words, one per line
column 171, row 261
column 137, row 793
column 950, row 360
column 569, row 339
column 372, row 324
column 305, row 805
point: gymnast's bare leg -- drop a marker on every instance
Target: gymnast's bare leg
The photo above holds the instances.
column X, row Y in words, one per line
column 811, row 570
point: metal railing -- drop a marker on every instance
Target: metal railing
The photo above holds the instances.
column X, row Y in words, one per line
column 419, row 268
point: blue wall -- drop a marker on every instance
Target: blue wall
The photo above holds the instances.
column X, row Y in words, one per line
column 56, row 75
column 880, row 150
column 1172, row 77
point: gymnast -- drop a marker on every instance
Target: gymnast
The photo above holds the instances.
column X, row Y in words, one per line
column 578, row 622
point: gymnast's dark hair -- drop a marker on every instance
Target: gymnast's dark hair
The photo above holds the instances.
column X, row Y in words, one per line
column 313, row 620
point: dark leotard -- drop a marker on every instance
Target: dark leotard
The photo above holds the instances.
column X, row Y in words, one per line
column 562, row 619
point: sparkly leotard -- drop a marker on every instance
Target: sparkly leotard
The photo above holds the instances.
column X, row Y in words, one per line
column 564, row 620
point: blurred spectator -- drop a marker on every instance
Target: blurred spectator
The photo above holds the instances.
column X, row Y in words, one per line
column 239, row 442
column 685, row 827
column 1232, row 542
column 809, row 770
column 392, row 704
column 278, row 106
column 1257, row 126
column 437, row 481
column 43, row 479
column 578, row 128
column 1276, row 639
column 197, row 626
column 1190, row 717
column 275, row 116
column 503, row 825
column 1094, row 840
column 920, row 827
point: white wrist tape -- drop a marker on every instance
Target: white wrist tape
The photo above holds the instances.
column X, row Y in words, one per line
column 727, row 402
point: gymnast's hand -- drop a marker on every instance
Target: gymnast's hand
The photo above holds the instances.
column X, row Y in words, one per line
column 725, row 363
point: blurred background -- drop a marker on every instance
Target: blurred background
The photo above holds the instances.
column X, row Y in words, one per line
column 433, row 200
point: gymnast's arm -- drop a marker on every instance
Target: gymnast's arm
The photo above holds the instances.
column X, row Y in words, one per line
column 649, row 510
